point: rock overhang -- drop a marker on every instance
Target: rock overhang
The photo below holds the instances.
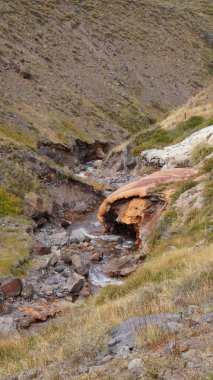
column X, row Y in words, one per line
column 138, row 205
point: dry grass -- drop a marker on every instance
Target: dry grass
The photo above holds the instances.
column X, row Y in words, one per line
column 79, row 336
column 15, row 245
column 200, row 105
column 153, row 337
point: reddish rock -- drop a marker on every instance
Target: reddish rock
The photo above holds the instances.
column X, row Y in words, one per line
column 36, row 313
column 123, row 266
column 141, row 203
column 42, row 249
column 100, row 153
column 66, row 255
column 96, row 257
column 139, row 191
column 85, row 292
column 11, row 287
column 33, row 205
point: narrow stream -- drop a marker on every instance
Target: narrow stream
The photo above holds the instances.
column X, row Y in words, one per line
column 110, row 245
column 88, row 170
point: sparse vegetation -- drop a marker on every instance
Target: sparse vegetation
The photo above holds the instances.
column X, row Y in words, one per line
column 159, row 138
column 199, row 152
column 78, row 336
column 15, row 245
column 208, row 165
column 9, row 204
column 182, row 188
column 65, row 80
column 195, row 227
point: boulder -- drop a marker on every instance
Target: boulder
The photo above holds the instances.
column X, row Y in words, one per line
column 97, row 164
column 80, row 265
column 53, row 260
column 135, row 364
column 42, row 248
column 96, row 257
column 27, row 291
column 12, row 287
column 100, row 153
column 78, row 236
column 124, row 335
column 75, row 283
column 36, row 313
column 124, row 265
column 33, row 206
column 66, row 255
column 7, row 324
column 59, row 239
column 178, row 155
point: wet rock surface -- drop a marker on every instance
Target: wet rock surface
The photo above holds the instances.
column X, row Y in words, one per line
column 67, row 263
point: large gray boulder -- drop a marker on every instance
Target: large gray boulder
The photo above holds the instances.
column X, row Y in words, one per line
column 124, row 335
column 178, row 155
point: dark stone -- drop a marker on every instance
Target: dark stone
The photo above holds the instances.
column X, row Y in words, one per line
column 59, row 268
column 42, row 249
column 12, row 287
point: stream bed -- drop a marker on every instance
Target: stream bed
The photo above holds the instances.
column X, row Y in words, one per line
column 110, row 245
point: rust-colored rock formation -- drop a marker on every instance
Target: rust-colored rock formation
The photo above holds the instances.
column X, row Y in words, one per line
column 136, row 206
column 37, row 313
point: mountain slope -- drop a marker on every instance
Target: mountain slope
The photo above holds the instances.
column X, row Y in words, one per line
column 94, row 69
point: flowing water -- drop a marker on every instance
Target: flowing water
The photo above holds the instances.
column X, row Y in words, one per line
column 110, row 245
column 87, row 171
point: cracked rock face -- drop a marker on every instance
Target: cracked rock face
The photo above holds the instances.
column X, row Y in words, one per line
column 136, row 206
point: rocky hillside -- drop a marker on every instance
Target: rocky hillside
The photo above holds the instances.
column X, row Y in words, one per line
column 95, row 70
column 106, row 190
